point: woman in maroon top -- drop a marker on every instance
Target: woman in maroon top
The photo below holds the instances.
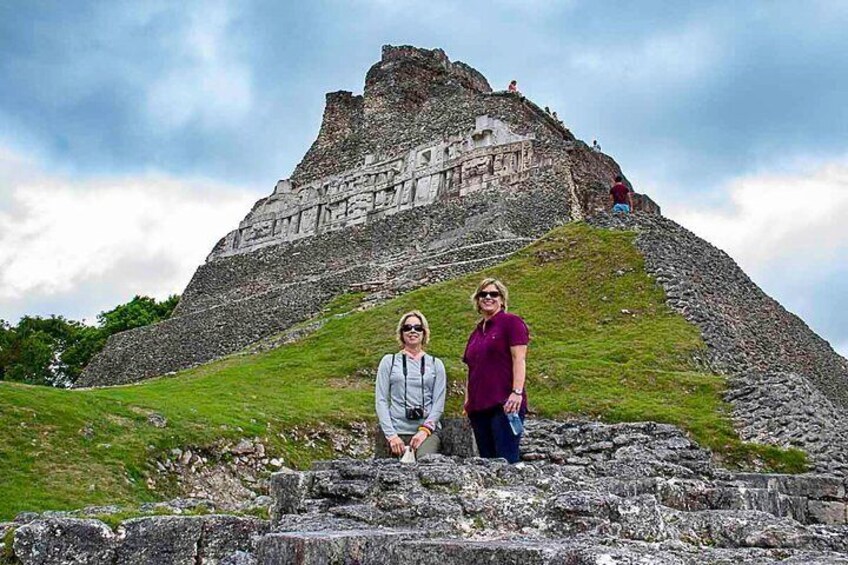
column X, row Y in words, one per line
column 495, row 355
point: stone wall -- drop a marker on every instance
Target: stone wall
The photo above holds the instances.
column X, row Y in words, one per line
column 788, row 387
column 163, row 540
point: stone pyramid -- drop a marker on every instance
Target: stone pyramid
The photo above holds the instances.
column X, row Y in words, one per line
column 428, row 175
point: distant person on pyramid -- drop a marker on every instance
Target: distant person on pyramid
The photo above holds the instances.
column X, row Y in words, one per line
column 620, row 196
column 410, row 390
column 513, row 86
column 595, row 147
column 495, row 400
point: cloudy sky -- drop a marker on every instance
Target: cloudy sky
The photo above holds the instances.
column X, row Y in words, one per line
column 133, row 135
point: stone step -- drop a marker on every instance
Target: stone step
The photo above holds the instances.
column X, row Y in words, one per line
column 328, row 547
column 592, row 493
column 382, row 547
column 592, row 551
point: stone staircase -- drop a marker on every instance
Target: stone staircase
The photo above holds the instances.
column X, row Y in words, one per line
column 584, row 493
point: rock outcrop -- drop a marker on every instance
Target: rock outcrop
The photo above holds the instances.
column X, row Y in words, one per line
column 210, row 539
column 585, row 493
column 428, row 163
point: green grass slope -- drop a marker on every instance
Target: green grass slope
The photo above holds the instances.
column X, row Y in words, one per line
column 603, row 345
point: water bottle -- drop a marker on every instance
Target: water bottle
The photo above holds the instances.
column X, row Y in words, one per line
column 515, row 423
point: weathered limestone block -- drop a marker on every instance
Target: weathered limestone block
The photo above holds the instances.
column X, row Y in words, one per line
column 640, row 518
column 289, row 490
column 65, row 541
column 587, row 550
column 187, row 540
column 827, row 512
column 165, row 540
column 744, row 528
column 807, row 486
column 239, row 558
column 223, row 535
column 458, row 438
column 581, row 511
column 330, row 548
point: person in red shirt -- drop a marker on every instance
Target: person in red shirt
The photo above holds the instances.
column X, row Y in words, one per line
column 620, row 196
column 495, row 400
column 513, row 86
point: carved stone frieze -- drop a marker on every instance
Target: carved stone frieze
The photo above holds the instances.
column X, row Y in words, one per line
column 491, row 155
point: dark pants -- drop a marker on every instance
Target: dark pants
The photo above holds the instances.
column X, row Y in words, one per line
column 494, row 435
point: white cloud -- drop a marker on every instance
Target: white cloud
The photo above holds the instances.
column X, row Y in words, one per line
column 119, row 235
column 775, row 219
column 207, row 81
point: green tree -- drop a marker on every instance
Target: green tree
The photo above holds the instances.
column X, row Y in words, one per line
column 32, row 351
column 54, row 351
column 140, row 311
column 7, row 336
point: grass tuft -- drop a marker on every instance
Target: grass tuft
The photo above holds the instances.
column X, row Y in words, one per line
column 7, row 552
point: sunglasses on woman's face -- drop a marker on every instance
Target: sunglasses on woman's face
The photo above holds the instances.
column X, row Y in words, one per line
column 488, row 294
column 417, row 328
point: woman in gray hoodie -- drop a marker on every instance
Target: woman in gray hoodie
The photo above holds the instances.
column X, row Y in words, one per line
column 410, row 390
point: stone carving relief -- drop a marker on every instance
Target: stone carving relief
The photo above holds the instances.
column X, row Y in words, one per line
column 490, row 155
column 259, row 230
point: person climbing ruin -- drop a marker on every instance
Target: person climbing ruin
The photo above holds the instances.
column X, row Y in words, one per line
column 496, row 352
column 547, row 110
column 595, row 147
column 410, row 390
column 513, row 86
column 620, row 196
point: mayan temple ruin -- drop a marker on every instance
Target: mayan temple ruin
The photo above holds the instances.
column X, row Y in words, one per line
column 426, row 176
column 406, row 170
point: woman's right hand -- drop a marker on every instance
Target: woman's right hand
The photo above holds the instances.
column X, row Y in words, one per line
column 396, row 445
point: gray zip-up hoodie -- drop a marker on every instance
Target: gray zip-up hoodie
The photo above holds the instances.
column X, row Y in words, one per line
column 389, row 398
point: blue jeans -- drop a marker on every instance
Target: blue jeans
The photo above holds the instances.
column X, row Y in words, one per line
column 621, row 208
column 494, row 435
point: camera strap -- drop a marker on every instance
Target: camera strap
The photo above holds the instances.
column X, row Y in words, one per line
column 405, row 397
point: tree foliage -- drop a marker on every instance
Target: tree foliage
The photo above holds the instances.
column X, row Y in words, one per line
column 54, row 351
column 140, row 311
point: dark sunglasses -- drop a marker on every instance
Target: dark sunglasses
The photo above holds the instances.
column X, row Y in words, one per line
column 412, row 328
column 488, row 294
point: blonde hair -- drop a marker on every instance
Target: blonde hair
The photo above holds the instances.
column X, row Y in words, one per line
column 498, row 285
column 416, row 313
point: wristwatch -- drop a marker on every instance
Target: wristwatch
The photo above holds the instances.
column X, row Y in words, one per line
column 518, row 391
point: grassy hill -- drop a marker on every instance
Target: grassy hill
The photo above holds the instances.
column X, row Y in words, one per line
column 603, row 345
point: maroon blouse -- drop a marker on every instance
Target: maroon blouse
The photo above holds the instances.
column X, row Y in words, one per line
column 489, row 361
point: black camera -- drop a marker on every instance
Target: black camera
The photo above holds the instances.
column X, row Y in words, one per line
column 415, row 413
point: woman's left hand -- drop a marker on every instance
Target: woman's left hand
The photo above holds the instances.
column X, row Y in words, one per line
column 417, row 440
column 513, row 403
